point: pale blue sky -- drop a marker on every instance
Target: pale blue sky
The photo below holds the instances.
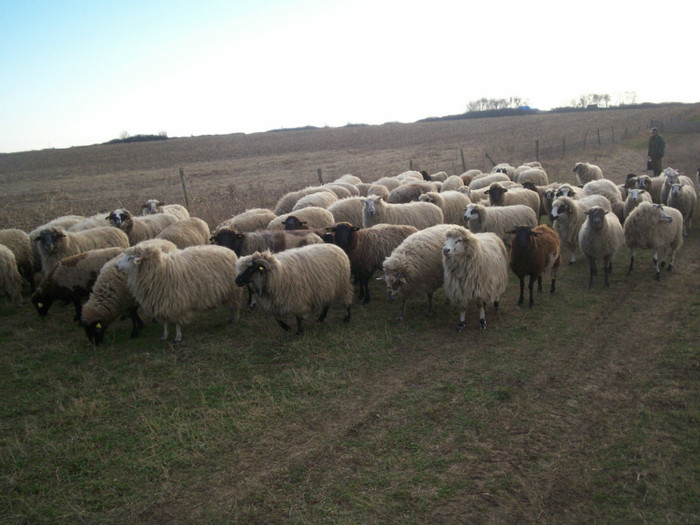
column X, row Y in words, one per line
column 83, row 72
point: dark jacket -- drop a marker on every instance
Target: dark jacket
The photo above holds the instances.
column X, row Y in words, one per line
column 657, row 145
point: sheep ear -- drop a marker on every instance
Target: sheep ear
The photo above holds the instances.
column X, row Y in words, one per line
column 512, row 230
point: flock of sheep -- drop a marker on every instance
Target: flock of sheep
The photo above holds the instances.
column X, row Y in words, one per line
column 421, row 232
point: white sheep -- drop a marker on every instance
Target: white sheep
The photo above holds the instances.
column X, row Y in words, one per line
column 475, row 269
column 683, row 198
column 528, row 174
column 586, row 172
column 172, row 286
column 348, row 210
column 453, row 182
column 153, row 206
column 70, row 280
column 186, row 232
column 110, row 298
column 320, row 199
column 341, row 190
column 672, row 177
column 418, row 214
column 389, row 183
column 54, row 243
column 452, row 204
column 250, row 220
column 568, row 216
column 348, row 179
column 610, row 191
column 298, row 282
column 410, row 192
column 498, row 219
column 600, row 238
column 504, row 168
column 409, row 176
column 64, row 222
column 379, row 190
column 486, row 179
column 10, row 279
column 19, row 244
column 313, row 216
column 95, row 221
column 634, row 197
column 654, row 227
column 140, row 228
column 415, row 266
column 289, row 199
column 500, row 195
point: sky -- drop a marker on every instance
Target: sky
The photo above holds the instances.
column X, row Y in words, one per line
column 76, row 72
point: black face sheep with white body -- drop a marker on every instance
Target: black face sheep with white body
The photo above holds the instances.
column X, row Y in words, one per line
column 298, row 282
column 54, row 243
column 499, row 195
column 600, row 238
column 111, row 299
column 172, row 286
column 245, row 243
column 367, row 248
column 476, row 270
column 140, row 228
column 654, row 227
column 534, row 250
column 71, row 280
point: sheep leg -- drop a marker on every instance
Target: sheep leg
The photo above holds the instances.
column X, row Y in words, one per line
column 136, row 322
column 399, row 318
column 673, row 260
column 521, row 300
column 572, row 260
column 324, row 313
column 300, row 329
column 539, row 283
column 284, row 325
column 482, row 315
column 430, row 304
column 462, row 323
column 78, row 309
column 608, row 271
column 593, row 272
column 364, row 289
column 553, row 274
column 178, row 333
column 164, row 337
column 346, row 319
column 530, row 288
column 629, row 270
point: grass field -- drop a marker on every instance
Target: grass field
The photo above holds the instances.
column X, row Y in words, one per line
column 584, row 409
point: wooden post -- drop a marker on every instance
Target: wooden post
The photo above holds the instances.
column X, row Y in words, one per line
column 537, row 150
column 410, row 164
column 464, row 165
column 320, row 176
column 184, row 189
column 493, row 162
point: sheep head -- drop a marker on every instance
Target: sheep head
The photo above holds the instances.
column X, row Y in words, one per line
column 252, row 271
column 522, row 234
column 371, row 204
column 596, row 216
column 135, row 256
column 119, row 217
column 457, row 241
column 49, row 237
column 294, row 223
column 343, row 235
column 496, row 192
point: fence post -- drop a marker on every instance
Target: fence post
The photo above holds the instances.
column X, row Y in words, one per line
column 493, row 163
column 537, row 150
column 464, row 165
column 184, row 189
column 320, row 176
column 410, row 164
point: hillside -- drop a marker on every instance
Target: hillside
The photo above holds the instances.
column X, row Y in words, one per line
column 582, row 409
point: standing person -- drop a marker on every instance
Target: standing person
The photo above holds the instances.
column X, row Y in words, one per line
column 657, row 145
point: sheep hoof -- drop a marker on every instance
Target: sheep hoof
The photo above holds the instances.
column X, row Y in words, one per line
column 663, row 264
column 521, row 301
column 670, row 267
column 658, row 276
column 482, row 324
column 460, row 326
